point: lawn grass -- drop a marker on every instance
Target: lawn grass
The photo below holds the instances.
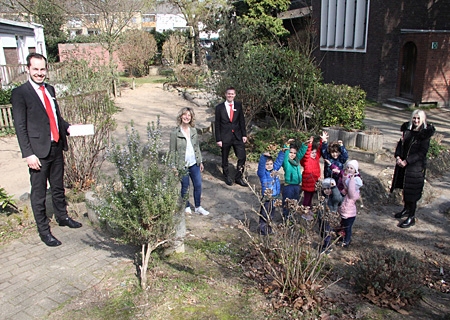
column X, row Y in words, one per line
column 142, row 80
column 206, row 282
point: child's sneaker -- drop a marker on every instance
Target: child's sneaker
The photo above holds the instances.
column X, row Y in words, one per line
column 188, row 210
column 202, row 211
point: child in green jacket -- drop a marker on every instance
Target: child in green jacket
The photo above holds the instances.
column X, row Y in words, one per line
column 293, row 153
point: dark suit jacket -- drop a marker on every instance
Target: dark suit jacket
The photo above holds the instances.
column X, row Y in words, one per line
column 32, row 123
column 224, row 128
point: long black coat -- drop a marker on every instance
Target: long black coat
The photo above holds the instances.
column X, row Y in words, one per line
column 412, row 147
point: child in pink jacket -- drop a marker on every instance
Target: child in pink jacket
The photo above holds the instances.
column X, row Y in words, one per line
column 347, row 210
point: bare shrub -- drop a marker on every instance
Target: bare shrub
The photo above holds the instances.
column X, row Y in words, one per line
column 389, row 277
column 287, row 264
column 137, row 51
column 190, row 75
column 85, row 154
column 175, row 49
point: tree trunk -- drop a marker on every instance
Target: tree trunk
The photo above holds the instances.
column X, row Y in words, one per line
column 145, row 259
column 146, row 251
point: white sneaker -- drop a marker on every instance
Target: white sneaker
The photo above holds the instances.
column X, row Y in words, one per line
column 188, row 210
column 202, row 211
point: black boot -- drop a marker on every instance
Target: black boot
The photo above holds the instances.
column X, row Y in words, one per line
column 401, row 214
column 408, row 222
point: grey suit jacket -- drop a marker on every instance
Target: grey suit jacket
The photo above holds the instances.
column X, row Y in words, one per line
column 32, row 123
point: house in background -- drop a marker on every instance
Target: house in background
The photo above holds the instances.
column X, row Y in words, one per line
column 17, row 40
column 397, row 51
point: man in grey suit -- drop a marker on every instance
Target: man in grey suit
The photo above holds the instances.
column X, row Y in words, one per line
column 42, row 135
column 230, row 132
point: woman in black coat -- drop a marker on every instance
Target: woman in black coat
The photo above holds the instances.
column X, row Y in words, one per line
column 411, row 158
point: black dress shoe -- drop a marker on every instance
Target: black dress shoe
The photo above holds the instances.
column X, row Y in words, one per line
column 228, row 181
column 50, row 240
column 408, row 222
column 69, row 222
column 401, row 214
column 241, row 182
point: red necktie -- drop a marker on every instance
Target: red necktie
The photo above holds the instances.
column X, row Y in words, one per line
column 231, row 112
column 51, row 116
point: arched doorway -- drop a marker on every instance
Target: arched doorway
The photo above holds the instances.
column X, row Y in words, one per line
column 408, row 70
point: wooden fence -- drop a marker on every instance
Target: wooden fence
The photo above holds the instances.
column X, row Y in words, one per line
column 6, row 119
column 10, row 74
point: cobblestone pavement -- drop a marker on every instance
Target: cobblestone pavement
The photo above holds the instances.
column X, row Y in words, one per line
column 35, row 279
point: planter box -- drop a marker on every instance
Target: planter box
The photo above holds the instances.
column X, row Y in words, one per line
column 369, row 142
column 333, row 133
column 348, row 138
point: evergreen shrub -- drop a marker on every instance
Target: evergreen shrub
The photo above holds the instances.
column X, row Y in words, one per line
column 340, row 105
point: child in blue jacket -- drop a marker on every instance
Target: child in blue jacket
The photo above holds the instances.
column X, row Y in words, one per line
column 334, row 157
column 270, row 188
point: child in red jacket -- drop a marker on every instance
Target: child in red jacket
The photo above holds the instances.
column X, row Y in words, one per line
column 311, row 173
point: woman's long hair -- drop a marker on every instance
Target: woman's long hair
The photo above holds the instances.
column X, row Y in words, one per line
column 422, row 116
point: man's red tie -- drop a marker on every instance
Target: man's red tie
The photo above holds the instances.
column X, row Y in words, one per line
column 231, row 112
column 51, row 116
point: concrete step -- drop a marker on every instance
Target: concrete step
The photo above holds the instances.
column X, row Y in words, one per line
column 398, row 103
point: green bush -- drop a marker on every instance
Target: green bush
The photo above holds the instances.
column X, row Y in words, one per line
column 272, row 80
column 339, row 105
column 6, row 200
column 389, row 277
column 271, row 140
column 141, row 200
column 436, row 147
column 5, row 96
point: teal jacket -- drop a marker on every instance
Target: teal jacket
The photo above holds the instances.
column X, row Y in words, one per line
column 178, row 147
column 292, row 173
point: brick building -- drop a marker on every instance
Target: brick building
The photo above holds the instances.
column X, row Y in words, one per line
column 391, row 49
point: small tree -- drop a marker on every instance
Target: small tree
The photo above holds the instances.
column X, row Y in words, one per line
column 175, row 49
column 274, row 80
column 83, row 98
column 137, row 51
column 261, row 16
column 85, row 154
column 142, row 199
column 195, row 12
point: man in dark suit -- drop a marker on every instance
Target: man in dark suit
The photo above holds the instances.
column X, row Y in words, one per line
column 42, row 135
column 230, row 132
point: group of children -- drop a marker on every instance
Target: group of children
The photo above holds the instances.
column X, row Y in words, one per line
column 340, row 186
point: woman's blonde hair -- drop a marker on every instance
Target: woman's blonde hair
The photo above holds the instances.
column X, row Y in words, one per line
column 183, row 111
column 422, row 116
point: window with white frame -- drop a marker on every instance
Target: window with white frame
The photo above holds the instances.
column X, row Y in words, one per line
column 343, row 25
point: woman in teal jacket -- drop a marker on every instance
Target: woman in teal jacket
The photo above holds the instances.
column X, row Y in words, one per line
column 292, row 172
